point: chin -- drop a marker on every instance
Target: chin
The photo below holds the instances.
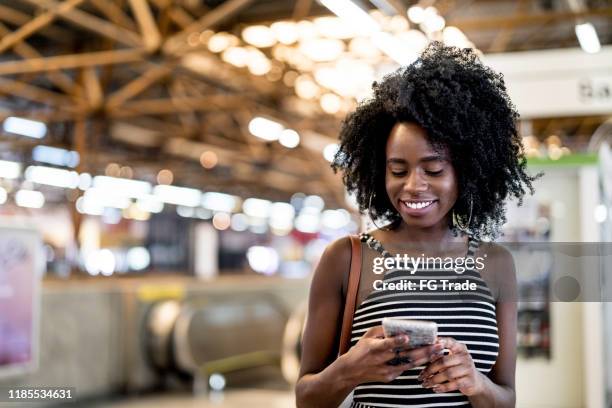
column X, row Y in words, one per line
column 420, row 223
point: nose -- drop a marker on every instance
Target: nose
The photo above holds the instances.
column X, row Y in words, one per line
column 415, row 183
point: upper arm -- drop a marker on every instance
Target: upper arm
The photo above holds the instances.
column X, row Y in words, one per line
column 325, row 306
column 503, row 372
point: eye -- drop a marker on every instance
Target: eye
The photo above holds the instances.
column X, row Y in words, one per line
column 398, row 173
column 433, row 173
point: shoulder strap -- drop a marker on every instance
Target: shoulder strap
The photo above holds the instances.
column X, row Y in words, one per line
column 351, row 295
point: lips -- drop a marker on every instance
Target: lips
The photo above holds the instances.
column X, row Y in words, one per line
column 417, row 207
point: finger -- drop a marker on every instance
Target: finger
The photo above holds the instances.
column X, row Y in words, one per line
column 449, row 374
column 453, row 345
column 440, row 365
column 424, row 355
column 462, row 383
column 424, row 352
column 373, row 332
column 391, row 373
column 391, row 343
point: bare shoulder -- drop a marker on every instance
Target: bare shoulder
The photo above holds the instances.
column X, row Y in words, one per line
column 335, row 262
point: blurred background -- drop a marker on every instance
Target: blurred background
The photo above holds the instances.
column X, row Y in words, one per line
column 165, row 189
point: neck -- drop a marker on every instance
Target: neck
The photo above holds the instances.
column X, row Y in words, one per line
column 440, row 235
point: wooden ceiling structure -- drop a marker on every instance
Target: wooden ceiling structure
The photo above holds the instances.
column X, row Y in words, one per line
column 114, row 80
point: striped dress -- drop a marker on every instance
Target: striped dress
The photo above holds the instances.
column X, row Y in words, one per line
column 469, row 317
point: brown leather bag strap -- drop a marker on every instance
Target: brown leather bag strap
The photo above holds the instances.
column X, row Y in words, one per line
column 351, row 295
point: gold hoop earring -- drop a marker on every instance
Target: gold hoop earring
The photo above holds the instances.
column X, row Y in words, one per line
column 387, row 228
column 457, row 222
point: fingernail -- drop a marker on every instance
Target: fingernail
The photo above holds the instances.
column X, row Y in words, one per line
column 436, row 389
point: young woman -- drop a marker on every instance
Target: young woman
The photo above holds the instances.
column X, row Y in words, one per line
column 434, row 154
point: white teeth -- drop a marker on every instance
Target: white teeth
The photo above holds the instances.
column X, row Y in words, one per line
column 416, row 206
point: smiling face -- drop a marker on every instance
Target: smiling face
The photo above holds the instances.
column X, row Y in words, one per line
column 421, row 182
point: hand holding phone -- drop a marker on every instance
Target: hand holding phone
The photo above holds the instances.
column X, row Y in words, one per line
column 420, row 332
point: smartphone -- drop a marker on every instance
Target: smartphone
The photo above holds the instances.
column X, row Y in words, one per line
column 420, row 332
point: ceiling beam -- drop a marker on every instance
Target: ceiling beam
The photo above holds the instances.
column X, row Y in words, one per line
column 215, row 16
column 524, row 19
column 151, row 36
column 94, row 24
column 19, row 18
column 42, row 115
column 71, row 61
column 36, row 94
column 36, row 24
column 165, row 106
column 93, row 89
column 114, row 13
column 505, row 33
column 137, row 85
column 59, row 79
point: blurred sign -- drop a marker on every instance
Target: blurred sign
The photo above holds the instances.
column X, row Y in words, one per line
column 557, row 83
column 21, row 268
column 151, row 293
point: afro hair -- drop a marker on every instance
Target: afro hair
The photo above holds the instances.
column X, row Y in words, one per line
column 464, row 107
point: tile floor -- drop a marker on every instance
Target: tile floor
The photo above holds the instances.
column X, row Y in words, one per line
column 252, row 398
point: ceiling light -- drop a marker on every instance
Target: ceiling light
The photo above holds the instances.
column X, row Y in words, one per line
column 256, row 207
column 221, row 41
column 55, row 156
column 188, row 197
column 335, row 28
column 265, row 129
column 394, row 48
column 25, row 127
column 433, row 23
column 416, row 14
column 285, row 32
column 330, row 151
column 259, row 35
column 219, row 202
column 454, row 37
column 51, row 176
column 322, row 49
column 150, row 203
column 96, row 197
column 29, row 199
column 121, row 186
column 165, row 176
column 258, row 64
column 10, row 169
column 237, row 56
column 330, row 103
column 305, row 87
column 289, row 138
column 239, row 222
column 208, row 159
column 221, row 221
column 587, row 37
column 364, row 48
column 353, row 15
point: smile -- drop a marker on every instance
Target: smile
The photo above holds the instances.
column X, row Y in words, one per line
column 418, row 205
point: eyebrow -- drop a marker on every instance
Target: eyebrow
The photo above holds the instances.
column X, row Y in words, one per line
column 397, row 160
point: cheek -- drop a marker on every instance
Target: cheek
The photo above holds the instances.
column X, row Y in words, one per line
column 449, row 189
column 391, row 184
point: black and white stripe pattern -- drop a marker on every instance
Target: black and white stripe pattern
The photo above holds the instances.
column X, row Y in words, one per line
column 468, row 317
